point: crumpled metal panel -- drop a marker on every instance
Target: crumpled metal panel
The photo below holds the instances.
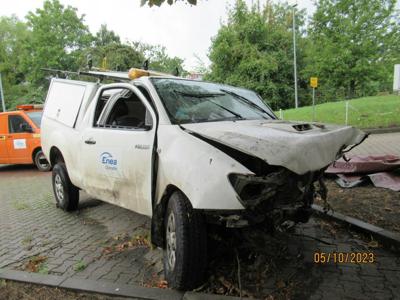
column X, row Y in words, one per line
column 279, row 143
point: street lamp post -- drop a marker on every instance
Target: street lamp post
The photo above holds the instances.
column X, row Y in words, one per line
column 296, row 100
column 3, row 104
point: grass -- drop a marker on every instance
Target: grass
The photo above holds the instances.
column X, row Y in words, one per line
column 27, row 240
column 367, row 112
column 80, row 266
column 43, row 269
column 20, row 205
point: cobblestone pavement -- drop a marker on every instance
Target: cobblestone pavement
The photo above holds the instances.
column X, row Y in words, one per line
column 100, row 241
column 378, row 144
column 108, row 243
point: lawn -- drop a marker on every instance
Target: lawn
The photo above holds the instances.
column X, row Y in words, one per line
column 368, row 112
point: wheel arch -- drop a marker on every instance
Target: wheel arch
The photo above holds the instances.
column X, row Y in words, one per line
column 157, row 220
column 55, row 155
column 34, row 152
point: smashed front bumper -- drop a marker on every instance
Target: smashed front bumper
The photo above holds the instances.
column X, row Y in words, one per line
column 274, row 198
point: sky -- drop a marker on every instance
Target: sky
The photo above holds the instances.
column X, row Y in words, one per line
column 184, row 30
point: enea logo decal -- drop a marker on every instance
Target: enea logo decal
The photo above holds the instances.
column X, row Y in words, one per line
column 108, row 161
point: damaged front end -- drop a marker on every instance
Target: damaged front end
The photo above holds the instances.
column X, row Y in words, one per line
column 277, row 196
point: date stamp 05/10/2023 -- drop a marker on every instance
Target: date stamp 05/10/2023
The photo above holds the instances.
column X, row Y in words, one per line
column 344, row 257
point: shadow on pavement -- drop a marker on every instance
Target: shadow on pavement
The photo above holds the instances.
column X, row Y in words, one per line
column 5, row 168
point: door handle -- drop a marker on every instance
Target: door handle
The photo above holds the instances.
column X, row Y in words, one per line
column 90, row 142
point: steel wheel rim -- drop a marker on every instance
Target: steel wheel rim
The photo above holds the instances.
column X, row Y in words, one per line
column 59, row 188
column 42, row 161
column 171, row 241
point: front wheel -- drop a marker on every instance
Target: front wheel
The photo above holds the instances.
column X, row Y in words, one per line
column 66, row 194
column 41, row 162
column 185, row 254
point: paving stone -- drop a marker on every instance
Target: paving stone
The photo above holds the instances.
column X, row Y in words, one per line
column 70, row 241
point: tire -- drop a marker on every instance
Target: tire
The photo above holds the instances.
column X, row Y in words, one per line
column 185, row 256
column 41, row 162
column 66, row 194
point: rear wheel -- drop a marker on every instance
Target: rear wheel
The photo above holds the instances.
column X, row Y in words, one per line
column 41, row 162
column 185, row 254
column 66, row 194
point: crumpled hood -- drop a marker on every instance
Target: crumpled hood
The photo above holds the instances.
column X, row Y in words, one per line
column 298, row 146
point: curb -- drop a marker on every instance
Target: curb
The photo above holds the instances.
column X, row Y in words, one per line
column 381, row 130
column 105, row 288
column 388, row 238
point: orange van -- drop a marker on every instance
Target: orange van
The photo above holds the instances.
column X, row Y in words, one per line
column 20, row 137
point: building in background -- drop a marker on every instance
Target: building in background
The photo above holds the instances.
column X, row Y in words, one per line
column 195, row 76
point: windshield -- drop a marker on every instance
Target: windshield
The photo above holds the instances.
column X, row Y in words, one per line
column 36, row 117
column 188, row 101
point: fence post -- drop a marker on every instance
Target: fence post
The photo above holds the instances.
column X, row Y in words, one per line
column 313, row 104
column 347, row 112
column 280, row 114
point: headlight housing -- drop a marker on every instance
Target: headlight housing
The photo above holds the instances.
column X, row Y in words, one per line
column 254, row 189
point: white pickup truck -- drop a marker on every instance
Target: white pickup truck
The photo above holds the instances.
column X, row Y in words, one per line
column 185, row 153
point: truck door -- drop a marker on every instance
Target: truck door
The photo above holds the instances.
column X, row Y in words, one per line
column 3, row 131
column 117, row 148
column 18, row 139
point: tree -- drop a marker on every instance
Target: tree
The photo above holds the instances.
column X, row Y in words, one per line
column 159, row 60
column 14, row 36
column 57, row 40
column 105, row 37
column 113, row 56
column 170, row 2
column 354, row 46
column 254, row 50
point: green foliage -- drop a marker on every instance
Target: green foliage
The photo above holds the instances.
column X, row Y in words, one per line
column 353, row 45
column 105, row 37
column 80, row 266
column 55, row 37
column 170, row 2
column 58, row 37
column 113, row 56
column 254, row 50
column 14, row 36
column 160, row 60
column 368, row 112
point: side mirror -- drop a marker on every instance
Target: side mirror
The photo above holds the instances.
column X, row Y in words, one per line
column 26, row 128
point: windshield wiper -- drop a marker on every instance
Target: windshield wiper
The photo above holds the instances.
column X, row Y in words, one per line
column 209, row 95
column 244, row 99
column 228, row 110
column 200, row 95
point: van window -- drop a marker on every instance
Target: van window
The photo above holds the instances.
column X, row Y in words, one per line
column 124, row 109
column 36, row 117
column 16, row 124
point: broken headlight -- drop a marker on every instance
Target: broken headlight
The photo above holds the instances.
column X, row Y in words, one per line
column 254, row 189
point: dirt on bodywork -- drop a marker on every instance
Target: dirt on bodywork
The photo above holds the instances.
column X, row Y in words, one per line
column 378, row 206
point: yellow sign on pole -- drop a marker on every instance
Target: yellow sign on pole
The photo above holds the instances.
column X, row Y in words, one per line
column 314, row 82
column 104, row 65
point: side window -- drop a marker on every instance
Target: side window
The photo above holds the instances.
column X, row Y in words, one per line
column 122, row 109
column 17, row 124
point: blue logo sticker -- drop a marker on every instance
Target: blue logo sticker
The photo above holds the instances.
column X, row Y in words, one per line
column 108, row 161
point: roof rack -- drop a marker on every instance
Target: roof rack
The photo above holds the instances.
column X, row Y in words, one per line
column 133, row 73
column 100, row 75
